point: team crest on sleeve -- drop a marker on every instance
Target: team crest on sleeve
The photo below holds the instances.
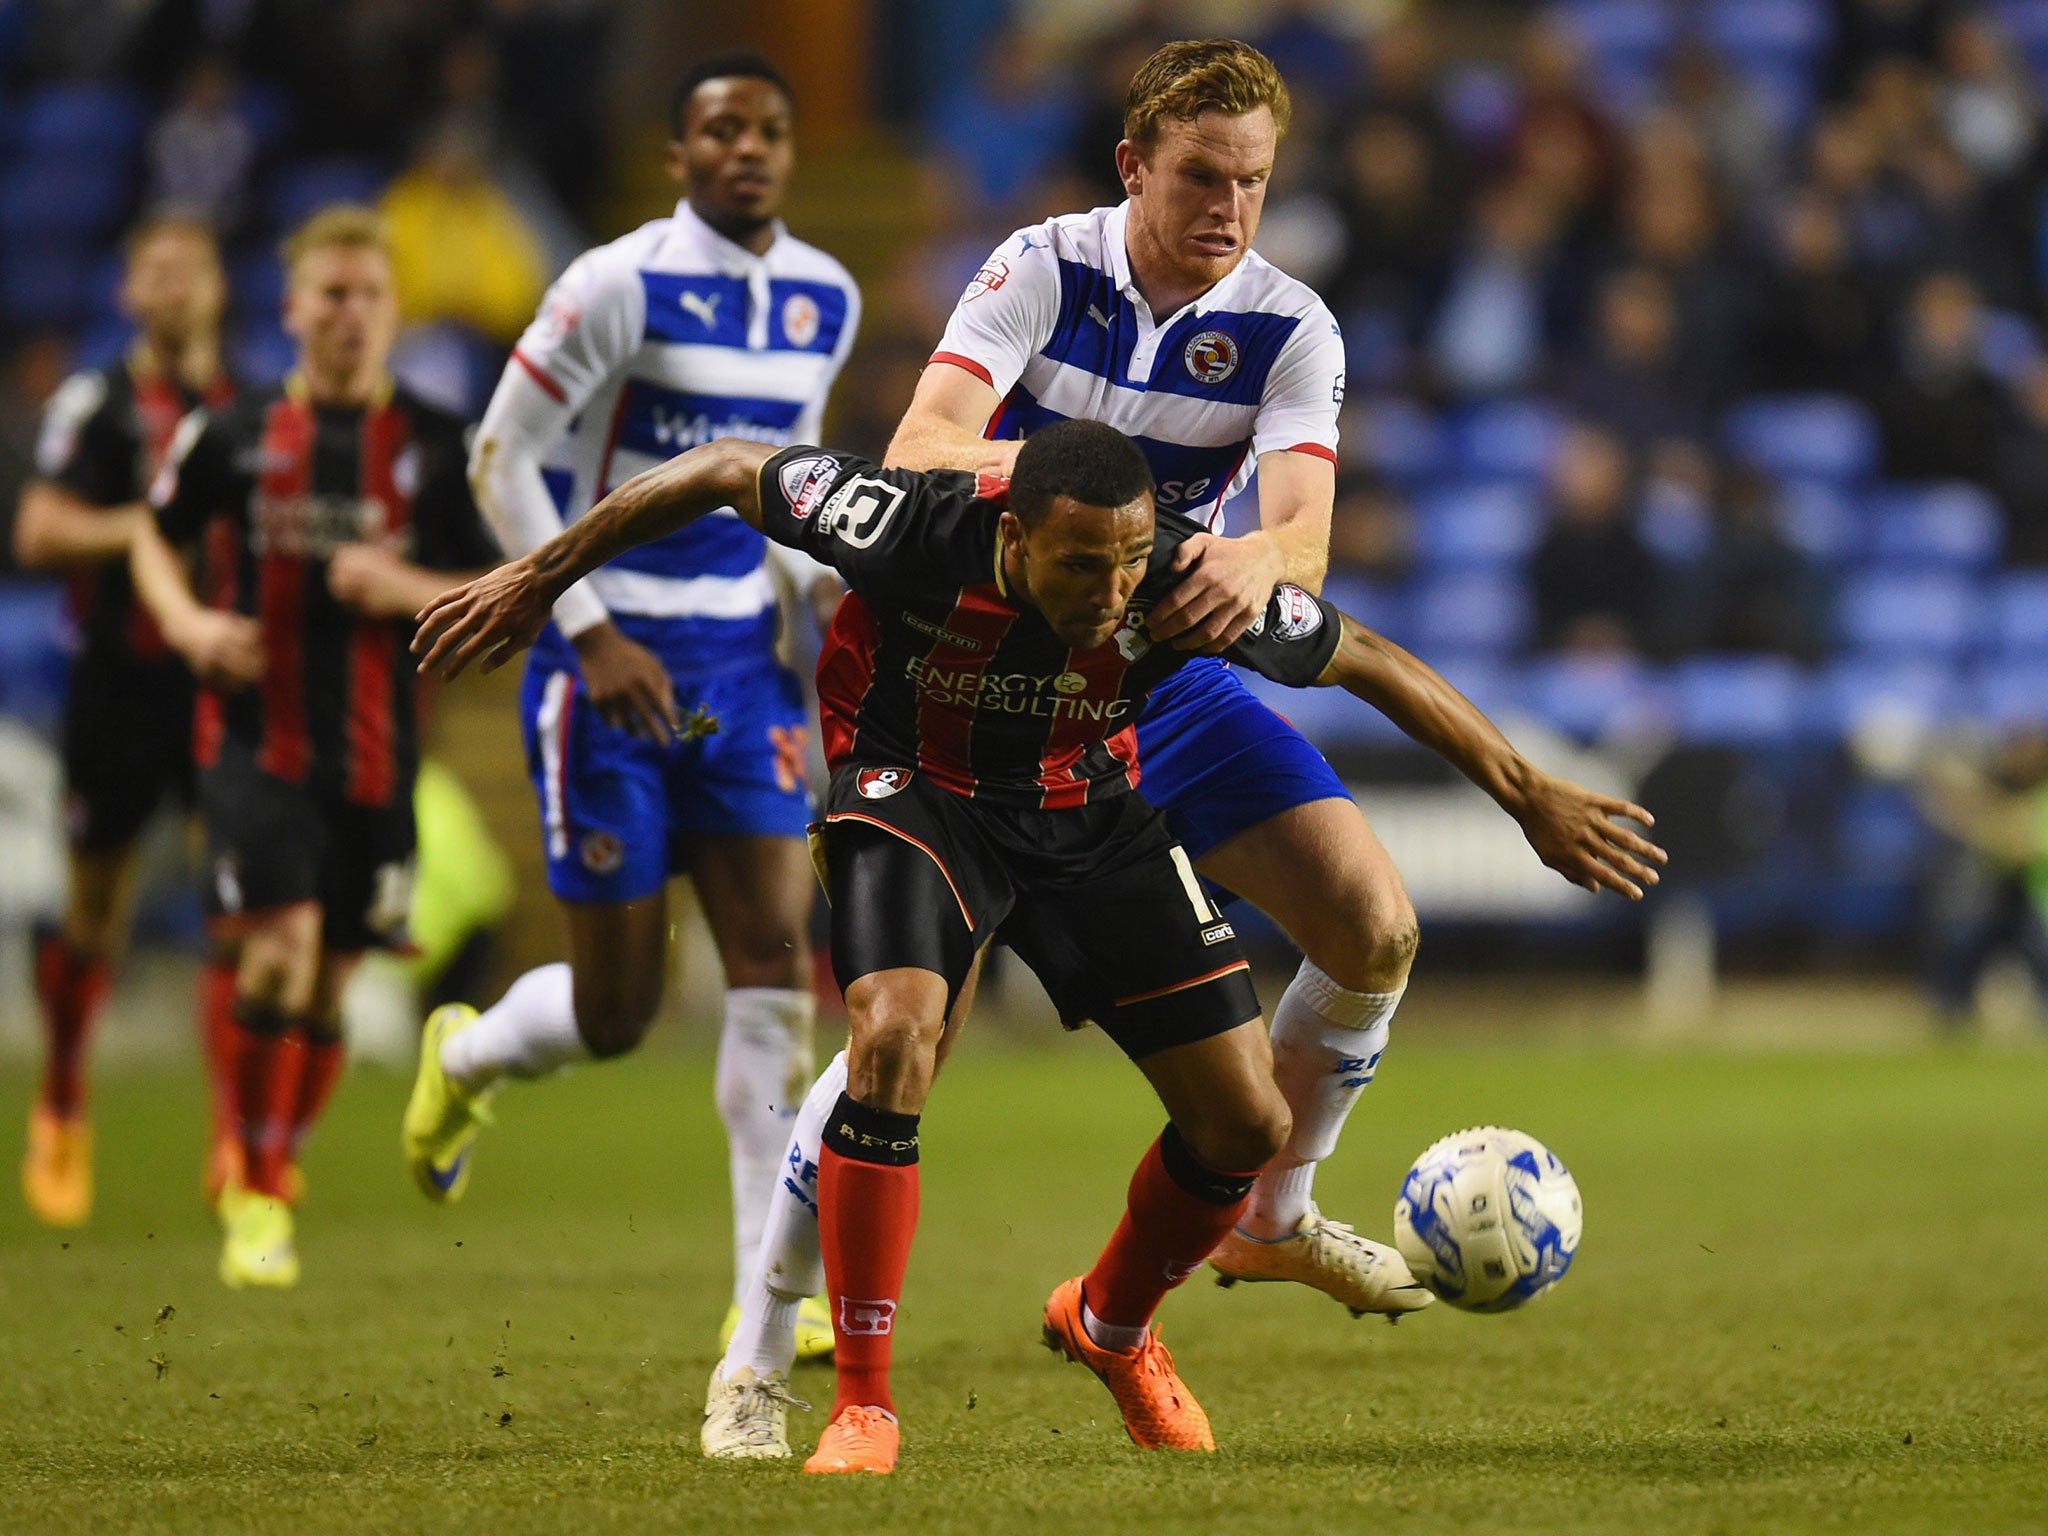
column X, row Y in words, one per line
column 987, row 280
column 800, row 319
column 804, row 483
column 880, row 783
column 1211, row 357
column 1298, row 614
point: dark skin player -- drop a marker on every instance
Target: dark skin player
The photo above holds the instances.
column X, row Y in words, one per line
column 1078, row 566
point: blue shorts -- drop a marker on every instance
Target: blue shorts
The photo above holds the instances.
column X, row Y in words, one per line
column 1218, row 762
column 617, row 812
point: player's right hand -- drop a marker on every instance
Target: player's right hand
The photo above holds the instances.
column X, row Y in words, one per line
column 224, row 650
column 488, row 620
column 627, row 684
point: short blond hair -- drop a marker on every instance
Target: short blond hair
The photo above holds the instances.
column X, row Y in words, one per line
column 1197, row 75
column 169, row 221
column 340, row 226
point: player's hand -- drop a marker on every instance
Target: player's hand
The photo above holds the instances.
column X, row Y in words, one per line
column 488, row 620
column 370, row 579
column 223, row 649
column 1225, row 585
column 627, row 684
column 1575, row 832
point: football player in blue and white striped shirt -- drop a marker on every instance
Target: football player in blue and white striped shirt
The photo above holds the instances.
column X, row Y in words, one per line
column 663, row 734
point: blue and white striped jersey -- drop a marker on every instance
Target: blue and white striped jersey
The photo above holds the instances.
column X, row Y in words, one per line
column 668, row 338
column 1055, row 323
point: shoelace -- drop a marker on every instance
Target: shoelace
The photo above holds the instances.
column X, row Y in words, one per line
column 750, row 1411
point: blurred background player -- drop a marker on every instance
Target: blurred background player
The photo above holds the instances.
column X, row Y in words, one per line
column 332, row 507
column 128, row 717
column 663, row 734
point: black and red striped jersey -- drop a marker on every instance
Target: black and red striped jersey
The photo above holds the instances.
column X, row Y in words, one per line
column 934, row 663
column 277, row 484
column 103, row 435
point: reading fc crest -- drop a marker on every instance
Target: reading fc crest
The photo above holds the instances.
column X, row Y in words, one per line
column 800, row 319
column 1211, row 357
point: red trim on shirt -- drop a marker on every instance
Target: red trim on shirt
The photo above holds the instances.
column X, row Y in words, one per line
column 371, row 731
column 540, row 376
column 968, row 363
column 945, row 730
column 286, row 749
column 846, row 671
column 1315, row 449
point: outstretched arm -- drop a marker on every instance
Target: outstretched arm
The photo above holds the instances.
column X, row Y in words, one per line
column 1571, row 828
column 502, row 612
column 224, row 650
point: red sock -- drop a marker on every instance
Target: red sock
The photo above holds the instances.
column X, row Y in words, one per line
column 217, row 1042
column 867, row 1216
column 265, row 1063
column 323, row 1057
column 72, row 989
column 1179, row 1210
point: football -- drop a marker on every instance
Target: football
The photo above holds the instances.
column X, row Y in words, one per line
column 1488, row 1219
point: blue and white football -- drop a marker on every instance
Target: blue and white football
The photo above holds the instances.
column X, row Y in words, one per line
column 1488, row 1219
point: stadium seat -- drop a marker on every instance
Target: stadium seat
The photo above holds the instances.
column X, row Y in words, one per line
column 42, row 287
column 1787, row 93
column 1948, row 524
column 1880, row 834
column 1741, row 701
column 303, row 190
column 258, row 288
column 1479, row 612
column 1935, row 616
column 1826, row 437
column 2012, row 693
column 102, row 342
column 262, row 352
column 1636, row 30
column 1593, row 697
column 2019, row 616
column 1777, row 32
column 1401, row 439
column 47, row 200
column 1858, row 692
column 1378, row 605
column 102, row 122
column 1487, row 524
column 1331, row 718
column 1820, row 520
column 1508, row 439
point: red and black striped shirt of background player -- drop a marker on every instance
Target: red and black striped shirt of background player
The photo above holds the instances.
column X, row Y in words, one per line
column 934, row 663
column 277, row 484
column 104, row 434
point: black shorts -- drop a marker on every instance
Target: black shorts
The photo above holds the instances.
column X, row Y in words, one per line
column 271, row 844
column 127, row 749
column 1099, row 901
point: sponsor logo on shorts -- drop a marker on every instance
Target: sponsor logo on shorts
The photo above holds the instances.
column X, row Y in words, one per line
column 1218, row 933
column 800, row 319
column 804, row 483
column 1211, row 357
column 880, row 783
column 601, row 852
column 866, row 1316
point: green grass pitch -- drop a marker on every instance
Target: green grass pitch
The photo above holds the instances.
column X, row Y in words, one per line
column 1813, row 1296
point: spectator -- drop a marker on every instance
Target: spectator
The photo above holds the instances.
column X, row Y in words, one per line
column 1491, row 329
column 1939, row 407
column 1635, row 378
column 460, row 250
column 1818, row 323
column 1560, row 139
column 201, row 152
column 1987, row 103
column 1372, row 531
column 1671, row 222
column 1397, row 238
column 1869, row 32
column 1009, row 123
column 1764, row 595
column 1592, row 573
column 1723, row 113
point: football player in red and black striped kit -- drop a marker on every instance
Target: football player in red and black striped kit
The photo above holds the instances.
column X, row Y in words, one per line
column 979, row 690
column 127, row 719
column 331, row 509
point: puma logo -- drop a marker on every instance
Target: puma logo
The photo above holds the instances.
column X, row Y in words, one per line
column 1095, row 313
column 704, row 308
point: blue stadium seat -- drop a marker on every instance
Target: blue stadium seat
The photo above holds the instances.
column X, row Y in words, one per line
column 1948, row 524
column 1936, row 616
column 2013, row 693
column 1826, row 437
column 1478, row 612
column 35, row 631
column 304, row 190
column 1400, row 439
column 1782, row 32
column 1592, row 697
column 1508, row 439
column 1637, row 30
column 262, row 353
column 1329, row 717
column 1741, row 701
column 99, row 121
column 1487, row 524
column 258, row 288
column 2019, row 615
column 1787, row 93
column 47, row 200
column 42, row 287
column 1377, row 605
column 1820, row 520
column 1880, row 834
column 102, row 342
column 1858, row 690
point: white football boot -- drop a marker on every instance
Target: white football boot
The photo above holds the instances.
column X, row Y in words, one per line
column 747, row 1418
column 1330, row 1257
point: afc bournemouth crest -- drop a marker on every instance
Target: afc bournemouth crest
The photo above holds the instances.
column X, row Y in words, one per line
column 1211, row 357
column 1131, row 640
column 880, row 783
column 800, row 319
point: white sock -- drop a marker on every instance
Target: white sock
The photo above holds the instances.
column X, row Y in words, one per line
column 764, row 1063
column 529, row 1032
column 789, row 1266
column 1327, row 1043
column 1121, row 1337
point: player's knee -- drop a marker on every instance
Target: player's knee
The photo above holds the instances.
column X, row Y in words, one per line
column 771, row 955
column 1243, row 1138
column 893, row 1045
column 1368, row 944
column 612, row 1021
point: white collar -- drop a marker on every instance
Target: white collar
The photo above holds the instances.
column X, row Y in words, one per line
column 732, row 257
column 1117, row 254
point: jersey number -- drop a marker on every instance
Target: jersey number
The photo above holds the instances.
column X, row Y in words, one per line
column 861, row 509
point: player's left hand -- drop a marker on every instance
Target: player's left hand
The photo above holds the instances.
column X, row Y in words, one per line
column 490, row 619
column 1225, row 585
column 1575, row 832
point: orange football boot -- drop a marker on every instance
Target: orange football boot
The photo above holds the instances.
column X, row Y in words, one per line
column 858, row 1440
column 1160, row 1413
column 56, row 1173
